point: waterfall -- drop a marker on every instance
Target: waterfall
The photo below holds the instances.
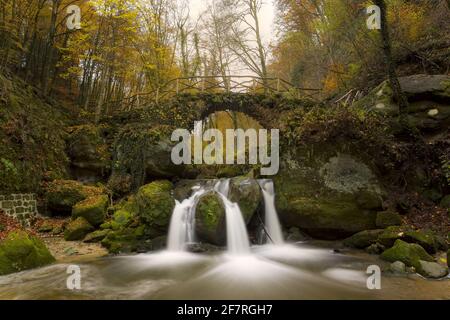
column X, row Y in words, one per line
column 272, row 222
column 237, row 237
column 181, row 230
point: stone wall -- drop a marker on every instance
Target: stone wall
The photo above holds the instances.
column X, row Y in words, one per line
column 23, row 207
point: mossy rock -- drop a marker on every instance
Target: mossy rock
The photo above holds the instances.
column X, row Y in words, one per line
column 127, row 240
column 122, row 218
column 88, row 151
column 96, row 236
column 21, row 251
column 45, row 228
column 408, row 253
column 363, row 239
column 210, row 219
column 62, row 195
column 247, row 194
column 391, row 234
column 77, row 229
column 388, row 219
column 93, row 209
column 426, row 238
column 155, row 204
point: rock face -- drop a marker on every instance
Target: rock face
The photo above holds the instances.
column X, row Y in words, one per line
column 210, row 219
column 387, row 219
column 247, row 194
column 428, row 95
column 93, row 209
column 88, row 152
column 21, row 251
column 408, row 253
column 77, row 229
column 328, row 195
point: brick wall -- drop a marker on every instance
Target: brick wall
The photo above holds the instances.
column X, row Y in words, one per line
column 20, row 206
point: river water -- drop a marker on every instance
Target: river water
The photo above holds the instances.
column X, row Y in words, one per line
column 300, row 271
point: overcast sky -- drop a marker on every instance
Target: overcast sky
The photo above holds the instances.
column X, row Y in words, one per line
column 267, row 16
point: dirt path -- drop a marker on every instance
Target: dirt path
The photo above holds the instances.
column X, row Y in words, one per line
column 73, row 251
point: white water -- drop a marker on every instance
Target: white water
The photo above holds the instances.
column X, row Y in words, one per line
column 237, row 237
column 182, row 226
column 272, row 223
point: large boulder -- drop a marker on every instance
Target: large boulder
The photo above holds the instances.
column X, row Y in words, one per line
column 77, row 229
column 62, row 195
column 246, row 193
column 127, row 240
column 331, row 195
column 408, row 253
column 425, row 238
column 363, row 239
column 93, row 209
column 428, row 96
column 88, row 151
column 155, row 204
column 388, row 219
column 210, row 219
column 432, row 270
column 21, row 251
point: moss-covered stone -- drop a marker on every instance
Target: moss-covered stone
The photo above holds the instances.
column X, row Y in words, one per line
column 127, row 240
column 426, row 238
column 210, row 219
column 155, row 204
column 388, row 237
column 363, row 239
column 62, row 195
column 388, row 219
column 21, row 251
column 93, row 209
column 408, row 253
column 77, row 229
column 122, row 218
column 247, row 194
column 96, row 236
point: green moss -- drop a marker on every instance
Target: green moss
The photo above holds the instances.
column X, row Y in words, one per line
column 155, row 204
column 387, row 219
column 122, row 217
column 96, row 236
column 93, row 209
column 408, row 253
column 127, row 240
column 391, row 234
column 363, row 239
column 426, row 238
column 247, row 194
column 77, row 229
column 210, row 219
column 21, row 251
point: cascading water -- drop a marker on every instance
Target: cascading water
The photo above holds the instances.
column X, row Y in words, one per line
column 272, row 223
column 237, row 237
column 182, row 226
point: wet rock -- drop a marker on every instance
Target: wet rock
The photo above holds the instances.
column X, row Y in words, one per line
column 210, row 219
column 21, row 251
column 432, row 270
column 397, row 267
column 408, row 253
column 77, row 229
column 375, row 248
column 202, row 248
column 295, row 235
column 387, row 219
column 247, row 194
column 363, row 239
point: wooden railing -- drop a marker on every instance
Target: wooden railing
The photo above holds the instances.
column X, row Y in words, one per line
column 213, row 84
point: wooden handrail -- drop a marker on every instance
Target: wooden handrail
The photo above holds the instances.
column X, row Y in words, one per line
column 230, row 83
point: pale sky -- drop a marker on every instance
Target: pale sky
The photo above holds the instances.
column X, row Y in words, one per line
column 267, row 16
